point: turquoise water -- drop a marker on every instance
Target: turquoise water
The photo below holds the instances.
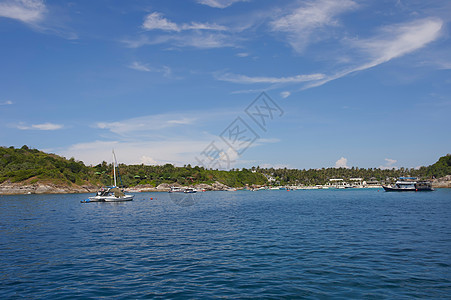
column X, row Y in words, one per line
column 267, row 244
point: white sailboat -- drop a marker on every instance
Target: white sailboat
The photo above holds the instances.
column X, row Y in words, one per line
column 111, row 193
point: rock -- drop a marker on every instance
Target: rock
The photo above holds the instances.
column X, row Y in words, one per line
column 217, row 186
column 164, row 187
column 443, row 182
column 203, row 186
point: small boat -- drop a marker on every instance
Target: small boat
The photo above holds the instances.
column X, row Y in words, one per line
column 176, row 189
column 409, row 184
column 190, row 190
column 110, row 193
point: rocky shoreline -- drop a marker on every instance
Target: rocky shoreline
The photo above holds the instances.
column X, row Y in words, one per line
column 443, row 182
column 9, row 188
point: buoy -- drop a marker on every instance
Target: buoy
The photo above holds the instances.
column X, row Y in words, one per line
column 151, row 198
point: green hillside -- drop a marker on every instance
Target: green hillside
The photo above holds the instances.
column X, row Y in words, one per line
column 22, row 164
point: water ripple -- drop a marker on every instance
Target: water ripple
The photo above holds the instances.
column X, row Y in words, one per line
column 302, row 244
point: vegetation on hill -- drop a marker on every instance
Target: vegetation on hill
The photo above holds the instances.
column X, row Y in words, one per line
column 31, row 165
column 17, row 165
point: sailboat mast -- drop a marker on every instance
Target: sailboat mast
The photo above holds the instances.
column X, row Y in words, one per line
column 114, row 168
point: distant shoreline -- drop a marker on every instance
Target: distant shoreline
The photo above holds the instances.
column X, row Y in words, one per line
column 8, row 188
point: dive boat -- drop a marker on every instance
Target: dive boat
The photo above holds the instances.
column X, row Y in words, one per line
column 110, row 193
column 409, row 184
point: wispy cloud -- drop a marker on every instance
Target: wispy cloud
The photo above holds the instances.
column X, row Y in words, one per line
column 36, row 14
column 392, row 42
column 195, row 39
column 219, row 3
column 146, row 123
column 156, row 21
column 389, row 164
column 397, row 40
column 194, row 34
column 27, row 11
column 309, row 18
column 7, row 102
column 43, row 126
column 237, row 78
column 139, row 66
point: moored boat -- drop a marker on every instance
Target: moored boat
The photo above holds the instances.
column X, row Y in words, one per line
column 409, row 184
column 188, row 190
column 110, row 193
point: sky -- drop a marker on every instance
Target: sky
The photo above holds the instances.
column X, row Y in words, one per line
column 228, row 83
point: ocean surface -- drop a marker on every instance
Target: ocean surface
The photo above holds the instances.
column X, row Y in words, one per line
column 309, row 244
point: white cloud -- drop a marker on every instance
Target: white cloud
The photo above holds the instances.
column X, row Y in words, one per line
column 176, row 138
column 285, row 94
column 43, row 126
column 389, row 164
column 148, row 160
column 27, row 11
column 178, row 152
column 342, row 163
column 312, row 16
column 236, row 78
column 275, row 166
column 242, row 54
column 7, row 102
column 219, row 3
column 156, row 21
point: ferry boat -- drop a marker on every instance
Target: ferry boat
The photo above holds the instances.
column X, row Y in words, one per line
column 409, row 184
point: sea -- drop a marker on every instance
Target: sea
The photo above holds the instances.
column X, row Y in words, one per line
column 304, row 244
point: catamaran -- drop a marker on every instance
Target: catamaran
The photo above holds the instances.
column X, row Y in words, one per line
column 111, row 193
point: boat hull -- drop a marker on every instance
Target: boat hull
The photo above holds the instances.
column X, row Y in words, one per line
column 395, row 189
column 111, row 198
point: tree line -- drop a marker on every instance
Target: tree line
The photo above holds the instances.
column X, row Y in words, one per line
column 32, row 165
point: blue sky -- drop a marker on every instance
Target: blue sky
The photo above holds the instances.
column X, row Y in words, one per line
column 358, row 83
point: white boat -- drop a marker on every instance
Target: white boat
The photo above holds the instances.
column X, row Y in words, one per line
column 407, row 184
column 111, row 193
column 188, row 190
column 176, row 189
